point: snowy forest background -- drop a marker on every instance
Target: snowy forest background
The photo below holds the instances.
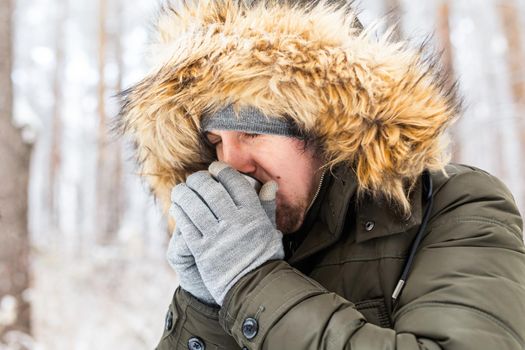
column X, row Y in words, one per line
column 82, row 245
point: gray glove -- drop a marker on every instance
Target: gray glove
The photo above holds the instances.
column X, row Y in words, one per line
column 225, row 225
column 181, row 260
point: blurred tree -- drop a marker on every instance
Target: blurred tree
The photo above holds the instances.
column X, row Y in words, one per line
column 102, row 149
column 512, row 28
column 116, row 187
column 56, row 131
column 447, row 59
column 14, row 172
column 109, row 162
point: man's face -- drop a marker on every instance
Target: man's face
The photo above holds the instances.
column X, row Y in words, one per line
column 278, row 158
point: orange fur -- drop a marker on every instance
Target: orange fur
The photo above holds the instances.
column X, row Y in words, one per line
column 375, row 105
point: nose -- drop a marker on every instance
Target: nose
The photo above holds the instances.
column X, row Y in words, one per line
column 236, row 154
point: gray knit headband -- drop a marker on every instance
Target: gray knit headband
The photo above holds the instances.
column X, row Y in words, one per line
column 250, row 120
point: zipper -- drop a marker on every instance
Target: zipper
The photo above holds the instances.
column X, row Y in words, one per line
column 292, row 244
column 317, row 192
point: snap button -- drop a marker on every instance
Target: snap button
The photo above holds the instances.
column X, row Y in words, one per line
column 244, row 348
column 168, row 323
column 369, row 225
column 250, row 328
column 196, row 343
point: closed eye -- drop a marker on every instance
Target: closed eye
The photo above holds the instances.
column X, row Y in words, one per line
column 250, row 135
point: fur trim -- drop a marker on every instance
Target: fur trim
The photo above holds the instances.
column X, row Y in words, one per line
column 377, row 106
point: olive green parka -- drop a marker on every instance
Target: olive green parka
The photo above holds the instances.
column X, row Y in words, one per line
column 377, row 110
column 465, row 289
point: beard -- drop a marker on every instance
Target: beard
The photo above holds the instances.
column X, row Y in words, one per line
column 289, row 217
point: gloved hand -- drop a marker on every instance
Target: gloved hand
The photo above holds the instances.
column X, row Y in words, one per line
column 225, row 225
column 181, row 260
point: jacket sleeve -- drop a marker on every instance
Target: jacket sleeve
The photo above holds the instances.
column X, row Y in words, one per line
column 466, row 289
column 190, row 323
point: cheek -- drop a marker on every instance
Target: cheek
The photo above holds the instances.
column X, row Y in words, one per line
column 292, row 168
column 296, row 180
column 283, row 195
column 292, row 190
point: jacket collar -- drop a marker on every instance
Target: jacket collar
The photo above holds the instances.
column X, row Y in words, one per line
column 372, row 218
column 375, row 218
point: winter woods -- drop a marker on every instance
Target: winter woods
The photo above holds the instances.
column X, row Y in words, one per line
column 80, row 235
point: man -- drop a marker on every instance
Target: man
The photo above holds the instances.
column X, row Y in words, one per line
column 360, row 237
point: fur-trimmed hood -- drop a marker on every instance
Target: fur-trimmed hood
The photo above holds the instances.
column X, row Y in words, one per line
column 376, row 106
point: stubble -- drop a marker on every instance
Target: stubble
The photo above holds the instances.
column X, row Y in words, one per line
column 290, row 217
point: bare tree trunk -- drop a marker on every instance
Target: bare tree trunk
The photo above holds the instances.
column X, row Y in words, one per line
column 443, row 36
column 14, row 172
column 109, row 187
column 102, row 174
column 512, row 29
column 116, row 190
column 56, row 135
